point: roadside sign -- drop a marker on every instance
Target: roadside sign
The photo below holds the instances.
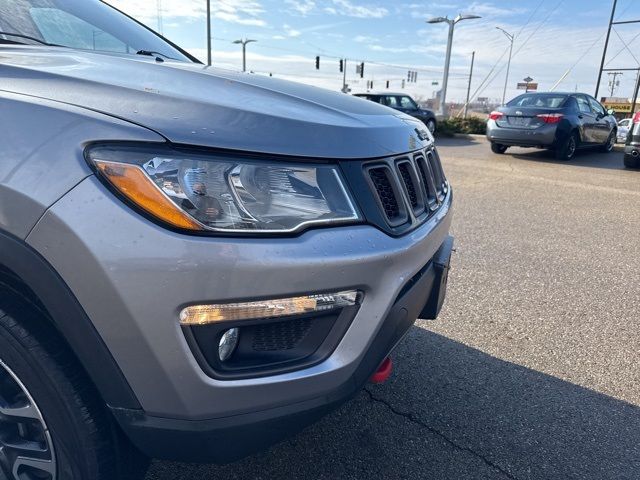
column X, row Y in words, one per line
column 527, row 86
column 528, row 79
column 618, row 107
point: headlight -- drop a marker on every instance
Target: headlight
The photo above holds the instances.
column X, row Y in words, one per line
column 221, row 193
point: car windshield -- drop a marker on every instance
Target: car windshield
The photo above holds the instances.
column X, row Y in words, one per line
column 79, row 24
column 538, row 100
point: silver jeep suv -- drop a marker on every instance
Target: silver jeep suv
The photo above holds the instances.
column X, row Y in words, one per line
column 194, row 263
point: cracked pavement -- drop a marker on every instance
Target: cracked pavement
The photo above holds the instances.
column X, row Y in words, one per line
column 531, row 371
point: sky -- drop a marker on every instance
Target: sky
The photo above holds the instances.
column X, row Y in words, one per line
column 555, row 40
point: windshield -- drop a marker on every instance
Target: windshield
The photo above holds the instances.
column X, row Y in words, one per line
column 80, row 24
column 538, row 100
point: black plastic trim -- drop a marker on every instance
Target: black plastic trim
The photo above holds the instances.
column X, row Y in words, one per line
column 69, row 318
column 312, row 352
column 227, row 439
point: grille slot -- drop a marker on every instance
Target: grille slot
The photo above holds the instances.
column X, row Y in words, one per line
column 408, row 182
column 412, row 186
column 281, row 336
column 438, row 175
column 428, row 182
column 383, row 182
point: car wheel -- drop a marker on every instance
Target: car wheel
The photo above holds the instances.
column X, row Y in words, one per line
column 567, row 150
column 431, row 125
column 631, row 162
column 53, row 425
column 498, row 148
column 611, row 143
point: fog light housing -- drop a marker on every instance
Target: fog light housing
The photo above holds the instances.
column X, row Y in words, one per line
column 265, row 309
column 228, row 344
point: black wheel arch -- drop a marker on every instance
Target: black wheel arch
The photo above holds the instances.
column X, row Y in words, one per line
column 25, row 272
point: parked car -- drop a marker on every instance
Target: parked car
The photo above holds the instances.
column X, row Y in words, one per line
column 623, row 129
column 632, row 147
column 194, row 263
column 405, row 104
column 562, row 122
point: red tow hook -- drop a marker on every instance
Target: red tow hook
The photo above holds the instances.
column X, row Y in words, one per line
column 384, row 371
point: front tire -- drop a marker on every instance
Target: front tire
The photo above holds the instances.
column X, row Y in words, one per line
column 567, row 149
column 498, row 148
column 611, row 143
column 53, row 425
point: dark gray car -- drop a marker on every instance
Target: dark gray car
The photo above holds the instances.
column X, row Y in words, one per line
column 403, row 103
column 194, row 263
column 562, row 122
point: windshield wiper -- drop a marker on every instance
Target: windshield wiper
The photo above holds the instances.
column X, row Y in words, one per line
column 19, row 35
column 151, row 53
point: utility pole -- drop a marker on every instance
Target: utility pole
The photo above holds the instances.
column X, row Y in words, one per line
column 344, row 76
column 466, row 105
column 506, row 80
column 612, row 82
column 606, row 46
column 635, row 95
column 209, row 54
column 452, row 23
column 244, row 44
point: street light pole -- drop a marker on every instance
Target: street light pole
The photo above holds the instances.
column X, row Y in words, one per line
column 452, row 23
column 466, row 105
column 244, row 44
column 506, row 80
column 209, row 59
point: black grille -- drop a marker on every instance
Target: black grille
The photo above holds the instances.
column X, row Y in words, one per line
column 438, row 174
column 428, row 181
column 408, row 185
column 408, row 182
column 280, row 336
column 381, row 178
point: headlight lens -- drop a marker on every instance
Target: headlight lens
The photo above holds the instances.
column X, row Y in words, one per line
column 226, row 194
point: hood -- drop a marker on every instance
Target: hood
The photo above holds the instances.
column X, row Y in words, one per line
column 198, row 105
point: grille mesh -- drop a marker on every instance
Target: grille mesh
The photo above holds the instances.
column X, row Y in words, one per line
column 382, row 183
column 408, row 181
column 280, row 336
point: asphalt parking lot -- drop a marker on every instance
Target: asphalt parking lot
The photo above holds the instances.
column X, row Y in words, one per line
column 531, row 371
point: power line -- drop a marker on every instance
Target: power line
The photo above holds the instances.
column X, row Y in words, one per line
column 546, row 19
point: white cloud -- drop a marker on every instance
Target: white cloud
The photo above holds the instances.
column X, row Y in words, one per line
column 301, row 7
column 349, row 9
column 290, row 31
column 490, row 10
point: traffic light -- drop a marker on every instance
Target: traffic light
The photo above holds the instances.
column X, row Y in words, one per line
column 318, row 63
column 362, row 70
column 341, row 66
column 387, row 84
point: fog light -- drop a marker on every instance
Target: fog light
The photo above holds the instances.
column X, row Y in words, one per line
column 228, row 344
column 284, row 307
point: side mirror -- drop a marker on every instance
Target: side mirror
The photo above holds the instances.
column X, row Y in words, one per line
column 611, row 111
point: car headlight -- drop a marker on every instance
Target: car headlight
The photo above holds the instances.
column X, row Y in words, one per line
column 226, row 193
